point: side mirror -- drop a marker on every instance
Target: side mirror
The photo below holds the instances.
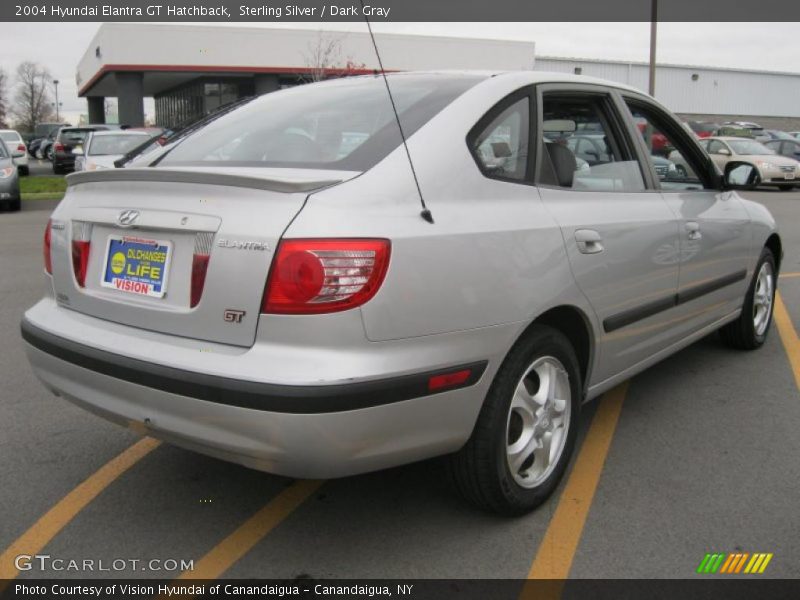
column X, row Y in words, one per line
column 740, row 176
column 78, row 150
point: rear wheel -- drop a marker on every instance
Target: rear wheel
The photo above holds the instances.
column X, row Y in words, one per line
column 750, row 330
column 526, row 430
column 786, row 188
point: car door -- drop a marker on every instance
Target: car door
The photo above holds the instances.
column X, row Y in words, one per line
column 621, row 237
column 714, row 227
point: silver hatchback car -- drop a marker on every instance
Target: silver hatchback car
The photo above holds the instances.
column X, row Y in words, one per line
column 264, row 289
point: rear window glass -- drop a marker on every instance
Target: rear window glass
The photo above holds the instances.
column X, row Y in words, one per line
column 347, row 124
column 73, row 135
column 114, row 144
column 9, row 136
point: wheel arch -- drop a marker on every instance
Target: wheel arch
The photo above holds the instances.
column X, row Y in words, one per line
column 776, row 246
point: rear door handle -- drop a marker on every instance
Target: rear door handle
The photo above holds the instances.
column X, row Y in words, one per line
column 693, row 231
column 589, row 241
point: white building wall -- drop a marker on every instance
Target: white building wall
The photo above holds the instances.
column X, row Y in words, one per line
column 714, row 92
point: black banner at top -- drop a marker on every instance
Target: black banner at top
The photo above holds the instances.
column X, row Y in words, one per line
column 309, row 11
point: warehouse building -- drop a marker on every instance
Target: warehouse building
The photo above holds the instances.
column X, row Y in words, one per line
column 191, row 70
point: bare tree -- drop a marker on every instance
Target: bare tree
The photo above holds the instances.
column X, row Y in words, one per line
column 3, row 98
column 322, row 56
column 32, row 103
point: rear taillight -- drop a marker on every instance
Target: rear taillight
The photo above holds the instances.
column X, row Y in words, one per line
column 200, row 258
column 58, row 147
column 22, row 148
column 48, row 262
column 322, row 276
column 81, row 245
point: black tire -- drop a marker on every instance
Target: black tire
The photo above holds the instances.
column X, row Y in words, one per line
column 15, row 205
column 786, row 188
column 480, row 470
column 24, row 170
column 741, row 333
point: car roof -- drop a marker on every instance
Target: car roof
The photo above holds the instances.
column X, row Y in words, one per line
column 9, row 131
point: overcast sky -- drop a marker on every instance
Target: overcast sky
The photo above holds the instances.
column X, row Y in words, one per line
column 766, row 46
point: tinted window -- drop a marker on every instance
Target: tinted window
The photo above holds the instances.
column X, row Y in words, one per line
column 667, row 144
column 114, row 144
column 582, row 150
column 346, row 124
column 502, row 147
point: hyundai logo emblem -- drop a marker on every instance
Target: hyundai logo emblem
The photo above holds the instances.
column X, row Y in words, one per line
column 128, row 217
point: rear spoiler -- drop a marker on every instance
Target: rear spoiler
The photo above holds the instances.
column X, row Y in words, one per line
column 208, row 178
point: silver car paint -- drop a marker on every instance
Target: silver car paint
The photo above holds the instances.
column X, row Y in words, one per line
column 498, row 256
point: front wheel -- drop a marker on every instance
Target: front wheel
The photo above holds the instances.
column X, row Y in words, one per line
column 750, row 330
column 526, row 430
column 786, row 188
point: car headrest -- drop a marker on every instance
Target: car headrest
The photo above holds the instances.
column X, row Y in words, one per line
column 564, row 163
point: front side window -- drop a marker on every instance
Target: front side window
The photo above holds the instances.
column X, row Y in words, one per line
column 669, row 152
column 581, row 148
column 501, row 148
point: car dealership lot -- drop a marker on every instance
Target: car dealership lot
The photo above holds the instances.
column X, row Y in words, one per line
column 705, row 457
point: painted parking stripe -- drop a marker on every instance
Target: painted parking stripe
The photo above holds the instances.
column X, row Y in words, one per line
column 557, row 549
column 55, row 519
column 220, row 558
column 789, row 275
column 788, row 335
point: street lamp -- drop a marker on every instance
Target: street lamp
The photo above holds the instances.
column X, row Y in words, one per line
column 55, row 83
column 653, row 27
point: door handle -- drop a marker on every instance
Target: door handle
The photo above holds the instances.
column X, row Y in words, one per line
column 589, row 241
column 693, row 231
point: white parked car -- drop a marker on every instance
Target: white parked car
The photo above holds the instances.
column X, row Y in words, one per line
column 16, row 146
column 102, row 148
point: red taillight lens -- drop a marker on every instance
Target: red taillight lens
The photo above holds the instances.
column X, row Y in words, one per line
column 48, row 262
column 199, row 269
column 22, row 148
column 58, row 147
column 80, row 260
column 322, row 276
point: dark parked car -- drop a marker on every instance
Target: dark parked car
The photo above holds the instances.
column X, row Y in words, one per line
column 9, row 179
column 785, row 147
column 65, row 142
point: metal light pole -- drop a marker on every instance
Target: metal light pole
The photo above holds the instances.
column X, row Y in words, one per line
column 55, row 83
column 653, row 27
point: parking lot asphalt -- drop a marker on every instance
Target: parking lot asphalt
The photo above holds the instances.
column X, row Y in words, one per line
column 702, row 456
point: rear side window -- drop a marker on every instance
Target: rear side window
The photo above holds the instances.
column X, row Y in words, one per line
column 501, row 148
column 348, row 124
column 582, row 149
column 3, row 153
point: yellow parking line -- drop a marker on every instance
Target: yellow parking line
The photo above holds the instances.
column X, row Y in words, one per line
column 557, row 549
column 788, row 334
column 220, row 558
column 55, row 519
column 789, row 275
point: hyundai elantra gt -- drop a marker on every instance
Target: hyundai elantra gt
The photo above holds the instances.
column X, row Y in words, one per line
column 268, row 289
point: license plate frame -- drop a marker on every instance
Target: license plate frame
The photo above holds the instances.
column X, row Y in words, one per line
column 138, row 285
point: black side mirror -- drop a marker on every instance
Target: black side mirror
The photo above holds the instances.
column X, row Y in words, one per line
column 740, row 176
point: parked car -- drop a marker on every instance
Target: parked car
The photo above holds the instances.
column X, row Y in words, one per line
column 790, row 148
column 756, row 131
column 703, row 129
column 16, row 146
column 292, row 306
column 771, row 169
column 102, row 148
column 66, row 140
column 794, row 134
column 774, row 134
column 9, row 180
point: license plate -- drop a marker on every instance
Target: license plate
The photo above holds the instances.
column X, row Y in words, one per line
column 137, row 266
column 790, row 176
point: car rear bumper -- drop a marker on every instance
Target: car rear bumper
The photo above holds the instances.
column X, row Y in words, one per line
column 316, row 431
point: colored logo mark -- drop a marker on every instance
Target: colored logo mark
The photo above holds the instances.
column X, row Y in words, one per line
column 735, row 563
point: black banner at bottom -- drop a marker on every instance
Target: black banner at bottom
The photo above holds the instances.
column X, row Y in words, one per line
column 706, row 588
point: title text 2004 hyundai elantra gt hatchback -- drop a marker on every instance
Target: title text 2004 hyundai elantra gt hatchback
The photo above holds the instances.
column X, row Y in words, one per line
column 265, row 289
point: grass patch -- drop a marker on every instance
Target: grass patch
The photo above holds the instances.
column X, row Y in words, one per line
column 45, row 184
column 43, row 196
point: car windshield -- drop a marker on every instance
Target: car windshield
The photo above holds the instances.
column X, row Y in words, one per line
column 749, row 147
column 104, row 145
column 9, row 136
column 346, row 124
column 74, row 135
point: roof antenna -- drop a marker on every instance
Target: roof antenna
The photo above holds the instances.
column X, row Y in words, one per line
column 426, row 213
